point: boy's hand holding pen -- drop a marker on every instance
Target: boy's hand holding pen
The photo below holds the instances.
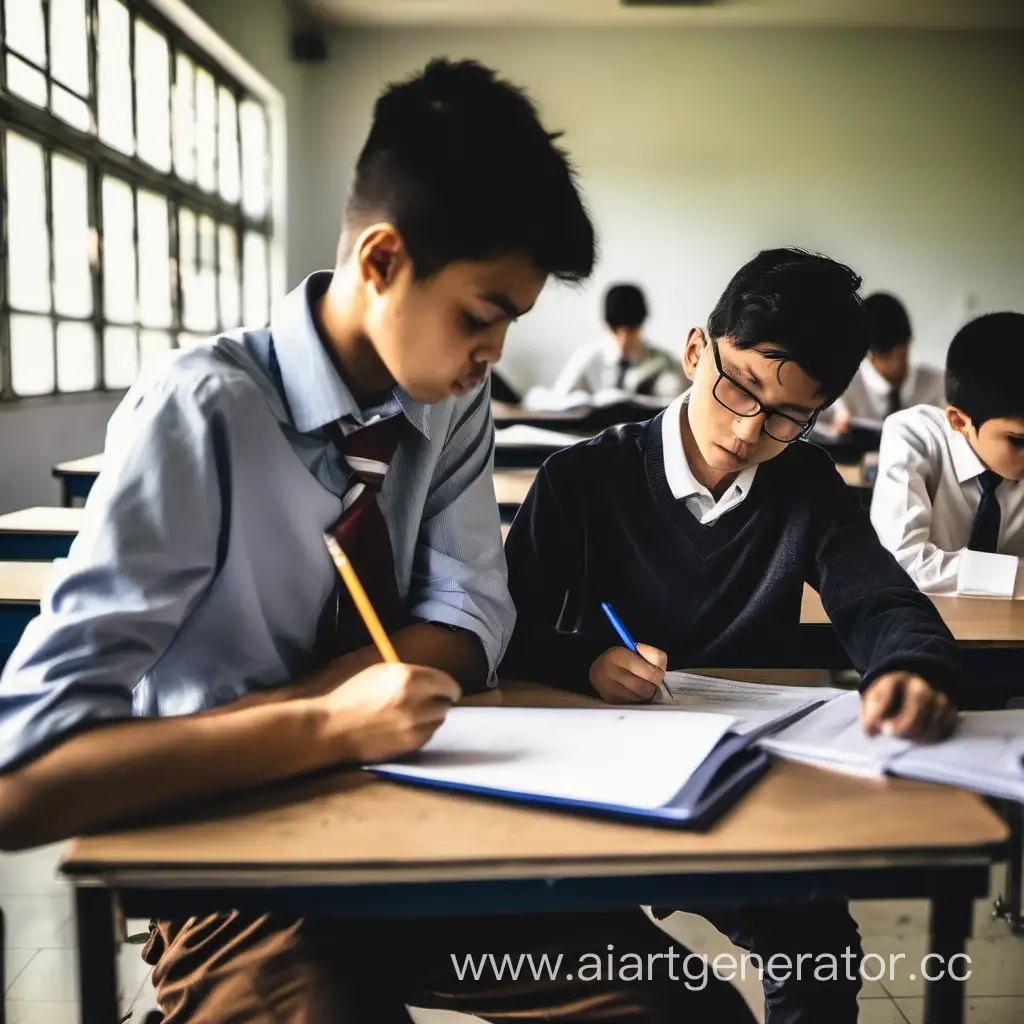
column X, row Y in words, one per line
column 631, row 674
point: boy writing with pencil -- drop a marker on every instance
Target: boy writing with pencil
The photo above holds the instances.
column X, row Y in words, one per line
column 700, row 529
column 201, row 599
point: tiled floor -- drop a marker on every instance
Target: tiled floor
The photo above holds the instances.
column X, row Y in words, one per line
column 41, row 970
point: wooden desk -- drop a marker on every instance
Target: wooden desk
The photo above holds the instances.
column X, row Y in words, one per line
column 975, row 621
column 78, row 476
column 852, row 474
column 349, row 845
column 510, row 489
column 21, row 589
column 42, row 533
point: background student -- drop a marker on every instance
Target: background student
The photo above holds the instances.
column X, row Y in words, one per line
column 886, row 381
column 623, row 361
column 949, row 499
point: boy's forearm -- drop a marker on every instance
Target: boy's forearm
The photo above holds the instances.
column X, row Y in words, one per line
column 457, row 652
column 115, row 772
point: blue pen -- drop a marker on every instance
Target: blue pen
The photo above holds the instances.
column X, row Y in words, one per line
column 619, row 627
column 626, row 638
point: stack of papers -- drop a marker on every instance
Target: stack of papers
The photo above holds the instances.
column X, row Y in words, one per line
column 681, row 768
column 985, row 753
column 757, row 708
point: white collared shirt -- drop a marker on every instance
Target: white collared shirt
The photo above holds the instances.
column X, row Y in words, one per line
column 595, row 368
column 684, row 485
column 925, row 501
column 867, row 397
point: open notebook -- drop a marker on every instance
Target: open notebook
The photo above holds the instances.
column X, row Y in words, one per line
column 984, row 754
column 678, row 769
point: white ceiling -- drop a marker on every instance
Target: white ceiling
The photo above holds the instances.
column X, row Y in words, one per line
column 714, row 13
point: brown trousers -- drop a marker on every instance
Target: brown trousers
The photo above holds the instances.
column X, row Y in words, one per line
column 232, row 969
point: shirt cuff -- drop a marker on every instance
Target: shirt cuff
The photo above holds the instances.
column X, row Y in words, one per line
column 983, row 574
column 444, row 614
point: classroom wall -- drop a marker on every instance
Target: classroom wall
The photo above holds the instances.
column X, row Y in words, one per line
column 897, row 151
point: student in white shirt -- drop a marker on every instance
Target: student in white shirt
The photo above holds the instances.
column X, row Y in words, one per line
column 949, row 501
column 886, row 382
column 623, row 361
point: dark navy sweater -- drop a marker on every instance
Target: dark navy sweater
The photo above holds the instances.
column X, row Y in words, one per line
column 601, row 524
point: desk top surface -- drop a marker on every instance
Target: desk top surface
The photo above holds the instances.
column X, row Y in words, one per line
column 971, row 620
column 89, row 466
column 43, row 519
column 349, row 827
column 23, row 582
column 511, row 485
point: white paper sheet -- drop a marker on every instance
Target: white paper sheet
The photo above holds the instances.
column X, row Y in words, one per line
column 621, row 757
column 832, row 737
column 983, row 754
column 755, row 706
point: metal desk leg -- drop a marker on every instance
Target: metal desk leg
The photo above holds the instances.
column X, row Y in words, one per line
column 97, row 956
column 951, row 910
column 1008, row 905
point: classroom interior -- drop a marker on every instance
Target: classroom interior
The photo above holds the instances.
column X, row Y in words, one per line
column 884, row 134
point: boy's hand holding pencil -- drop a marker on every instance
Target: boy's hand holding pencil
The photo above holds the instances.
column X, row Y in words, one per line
column 386, row 710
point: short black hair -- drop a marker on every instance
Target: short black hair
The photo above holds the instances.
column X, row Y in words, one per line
column 890, row 325
column 624, row 306
column 985, row 367
column 796, row 305
column 459, row 162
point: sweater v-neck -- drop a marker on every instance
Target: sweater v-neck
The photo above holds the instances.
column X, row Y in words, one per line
column 706, row 539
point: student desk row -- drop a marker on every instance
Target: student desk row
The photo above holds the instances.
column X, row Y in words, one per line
column 78, row 476
column 348, row 845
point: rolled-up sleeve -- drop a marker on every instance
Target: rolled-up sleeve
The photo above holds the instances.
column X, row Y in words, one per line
column 144, row 558
column 459, row 575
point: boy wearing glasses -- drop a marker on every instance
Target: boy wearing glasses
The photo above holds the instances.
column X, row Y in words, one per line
column 701, row 526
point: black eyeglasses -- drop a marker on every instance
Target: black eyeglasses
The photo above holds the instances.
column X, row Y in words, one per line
column 738, row 400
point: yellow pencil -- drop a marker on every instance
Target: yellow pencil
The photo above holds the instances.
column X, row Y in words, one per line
column 362, row 602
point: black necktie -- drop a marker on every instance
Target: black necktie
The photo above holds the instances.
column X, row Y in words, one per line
column 895, row 402
column 985, row 531
column 620, row 380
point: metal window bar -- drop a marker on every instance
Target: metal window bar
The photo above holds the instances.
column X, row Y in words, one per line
column 55, row 135
column 49, row 56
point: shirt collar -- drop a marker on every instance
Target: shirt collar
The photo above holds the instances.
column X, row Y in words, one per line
column 966, row 463
column 878, row 385
column 316, row 393
column 681, row 480
column 611, row 353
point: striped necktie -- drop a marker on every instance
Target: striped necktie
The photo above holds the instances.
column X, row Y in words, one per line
column 361, row 530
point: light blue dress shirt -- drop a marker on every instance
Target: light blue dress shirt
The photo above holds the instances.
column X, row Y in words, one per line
column 201, row 573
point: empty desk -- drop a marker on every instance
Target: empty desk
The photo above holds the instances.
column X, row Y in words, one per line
column 510, row 489
column 78, row 476
column 42, row 533
column 21, row 589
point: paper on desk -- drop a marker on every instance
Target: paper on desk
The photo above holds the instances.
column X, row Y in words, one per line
column 983, row 754
column 832, row 737
column 522, row 435
column 622, row 757
column 755, row 706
